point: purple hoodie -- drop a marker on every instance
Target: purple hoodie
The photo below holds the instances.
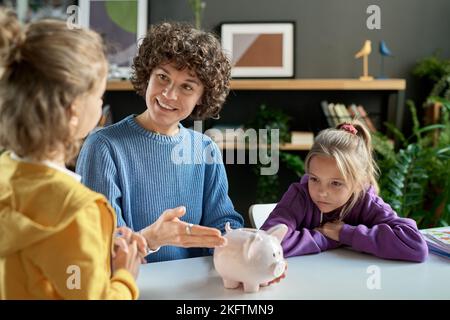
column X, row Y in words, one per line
column 370, row 226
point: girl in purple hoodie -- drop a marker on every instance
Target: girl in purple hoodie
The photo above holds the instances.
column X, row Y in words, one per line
column 336, row 203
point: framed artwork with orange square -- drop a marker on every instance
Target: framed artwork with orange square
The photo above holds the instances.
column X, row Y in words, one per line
column 260, row 50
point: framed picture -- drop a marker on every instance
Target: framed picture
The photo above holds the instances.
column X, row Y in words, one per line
column 260, row 50
column 33, row 10
column 121, row 23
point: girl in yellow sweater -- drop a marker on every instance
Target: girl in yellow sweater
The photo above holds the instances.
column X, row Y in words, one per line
column 56, row 235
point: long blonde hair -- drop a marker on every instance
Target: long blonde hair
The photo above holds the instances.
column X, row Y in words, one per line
column 352, row 150
column 44, row 66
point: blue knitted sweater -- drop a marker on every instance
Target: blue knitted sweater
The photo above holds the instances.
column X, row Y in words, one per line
column 144, row 173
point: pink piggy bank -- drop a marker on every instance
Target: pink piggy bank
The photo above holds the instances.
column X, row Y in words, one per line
column 253, row 257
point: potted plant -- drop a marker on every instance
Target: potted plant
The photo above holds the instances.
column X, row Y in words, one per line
column 415, row 179
column 435, row 73
column 415, row 176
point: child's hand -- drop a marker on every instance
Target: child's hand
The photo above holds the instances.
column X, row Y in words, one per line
column 126, row 257
column 331, row 229
column 129, row 236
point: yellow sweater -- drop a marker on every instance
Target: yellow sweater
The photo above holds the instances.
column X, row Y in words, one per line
column 55, row 237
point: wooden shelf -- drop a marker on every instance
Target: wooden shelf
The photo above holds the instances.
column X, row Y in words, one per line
column 283, row 147
column 293, row 84
column 119, row 85
column 318, row 84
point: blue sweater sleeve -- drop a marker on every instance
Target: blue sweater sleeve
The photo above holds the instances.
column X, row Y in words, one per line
column 217, row 206
column 99, row 172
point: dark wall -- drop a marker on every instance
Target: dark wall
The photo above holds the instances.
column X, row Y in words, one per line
column 330, row 32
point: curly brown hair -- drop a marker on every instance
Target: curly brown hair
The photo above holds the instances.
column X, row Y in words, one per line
column 185, row 47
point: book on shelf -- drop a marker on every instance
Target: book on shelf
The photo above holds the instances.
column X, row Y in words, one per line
column 354, row 113
column 330, row 113
column 366, row 119
column 342, row 113
column 334, row 115
column 326, row 112
column 337, row 113
column 359, row 113
column 438, row 240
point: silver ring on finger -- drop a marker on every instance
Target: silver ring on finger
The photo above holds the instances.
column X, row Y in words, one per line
column 189, row 229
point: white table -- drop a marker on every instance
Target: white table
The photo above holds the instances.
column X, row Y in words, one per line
column 335, row 274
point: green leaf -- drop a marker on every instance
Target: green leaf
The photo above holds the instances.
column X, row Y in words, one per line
column 428, row 128
column 396, row 132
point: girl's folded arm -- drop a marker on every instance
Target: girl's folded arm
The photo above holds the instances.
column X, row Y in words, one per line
column 384, row 234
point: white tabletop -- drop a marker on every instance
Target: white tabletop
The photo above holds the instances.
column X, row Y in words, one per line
column 335, row 274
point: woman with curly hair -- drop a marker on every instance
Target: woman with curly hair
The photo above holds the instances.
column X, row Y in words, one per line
column 181, row 72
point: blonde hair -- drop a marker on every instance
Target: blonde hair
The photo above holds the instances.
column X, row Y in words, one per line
column 45, row 66
column 353, row 154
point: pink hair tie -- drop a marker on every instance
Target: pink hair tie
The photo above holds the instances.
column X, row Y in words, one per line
column 349, row 128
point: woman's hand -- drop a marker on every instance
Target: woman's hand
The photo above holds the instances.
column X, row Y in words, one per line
column 170, row 230
column 331, row 229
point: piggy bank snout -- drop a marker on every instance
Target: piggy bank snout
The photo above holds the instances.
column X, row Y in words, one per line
column 279, row 268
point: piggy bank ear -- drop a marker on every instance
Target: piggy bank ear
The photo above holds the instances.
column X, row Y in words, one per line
column 251, row 246
column 227, row 227
column 278, row 231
